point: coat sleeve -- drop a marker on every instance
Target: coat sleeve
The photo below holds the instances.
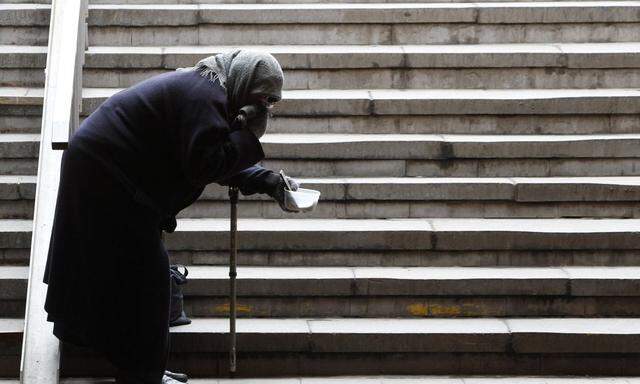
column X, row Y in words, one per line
column 254, row 179
column 206, row 150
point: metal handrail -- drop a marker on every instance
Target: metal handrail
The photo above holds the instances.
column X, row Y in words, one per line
column 60, row 116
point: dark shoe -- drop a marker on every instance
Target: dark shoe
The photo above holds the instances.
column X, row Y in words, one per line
column 169, row 380
column 181, row 377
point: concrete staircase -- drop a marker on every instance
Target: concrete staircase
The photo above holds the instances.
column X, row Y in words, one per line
column 480, row 171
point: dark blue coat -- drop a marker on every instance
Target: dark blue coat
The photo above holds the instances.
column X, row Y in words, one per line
column 146, row 153
column 169, row 136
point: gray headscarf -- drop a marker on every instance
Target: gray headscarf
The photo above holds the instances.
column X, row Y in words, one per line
column 243, row 73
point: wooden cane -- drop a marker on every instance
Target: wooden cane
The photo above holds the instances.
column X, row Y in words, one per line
column 233, row 251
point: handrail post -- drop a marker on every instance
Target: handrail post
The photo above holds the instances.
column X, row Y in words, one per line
column 40, row 360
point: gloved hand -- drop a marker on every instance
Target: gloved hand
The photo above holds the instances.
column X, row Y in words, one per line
column 181, row 377
column 277, row 192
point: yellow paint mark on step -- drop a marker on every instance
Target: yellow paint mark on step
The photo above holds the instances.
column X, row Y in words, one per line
column 434, row 310
column 225, row 308
column 418, row 309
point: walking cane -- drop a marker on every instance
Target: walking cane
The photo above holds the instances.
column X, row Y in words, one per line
column 233, row 251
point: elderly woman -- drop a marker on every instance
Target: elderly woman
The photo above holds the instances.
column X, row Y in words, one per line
column 145, row 154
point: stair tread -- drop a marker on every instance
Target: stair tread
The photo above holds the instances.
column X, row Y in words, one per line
column 589, row 326
column 420, row 224
column 404, row 94
column 515, row 55
column 310, row 138
column 197, row 272
column 389, row 379
column 613, row 47
column 380, row 94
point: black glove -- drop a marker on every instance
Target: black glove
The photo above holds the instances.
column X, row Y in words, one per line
column 278, row 186
column 168, row 223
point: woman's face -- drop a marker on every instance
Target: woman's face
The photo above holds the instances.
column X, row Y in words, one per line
column 267, row 101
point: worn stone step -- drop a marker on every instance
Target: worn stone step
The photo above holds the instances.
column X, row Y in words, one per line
column 431, row 111
column 267, row 1
column 405, row 102
column 408, row 146
column 458, row 124
column 18, row 119
column 13, row 290
column 19, row 153
column 361, row 155
column 16, row 196
column 16, row 241
column 413, row 258
column 392, row 78
column 362, row 102
column 408, row 234
column 447, row 147
column 459, row 167
column 415, row 292
column 368, row 198
column 453, row 23
column 397, row 242
column 302, row 346
column 604, row 65
column 11, row 330
column 310, row 155
column 317, row 67
column 389, row 379
column 393, row 292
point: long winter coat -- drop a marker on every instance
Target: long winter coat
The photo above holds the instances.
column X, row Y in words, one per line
column 146, row 153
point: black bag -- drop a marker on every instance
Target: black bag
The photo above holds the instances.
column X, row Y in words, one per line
column 177, row 315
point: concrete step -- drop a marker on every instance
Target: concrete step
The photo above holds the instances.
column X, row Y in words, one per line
column 281, row 292
column 447, row 147
column 408, row 146
column 19, row 153
column 362, row 102
column 408, row 234
column 370, row 198
column 605, row 65
column 302, row 346
column 387, row 379
column 415, row 292
column 17, row 194
column 461, row 23
column 392, row 242
column 369, row 155
column 523, row 124
column 352, row 23
column 438, row 234
column 26, row 119
column 21, row 119
column 11, row 345
column 13, row 291
column 423, row 111
column 267, row 1
column 15, row 241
